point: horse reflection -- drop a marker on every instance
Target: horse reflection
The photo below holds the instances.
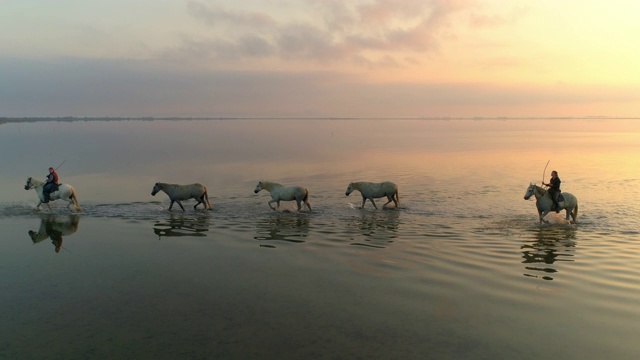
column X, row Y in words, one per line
column 291, row 227
column 548, row 246
column 178, row 225
column 54, row 227
column 375, row 229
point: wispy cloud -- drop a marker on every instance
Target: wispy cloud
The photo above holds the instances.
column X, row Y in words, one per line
column 213, row 15
column 337, row 31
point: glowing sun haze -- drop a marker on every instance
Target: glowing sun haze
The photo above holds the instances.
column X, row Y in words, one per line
column 363, row 58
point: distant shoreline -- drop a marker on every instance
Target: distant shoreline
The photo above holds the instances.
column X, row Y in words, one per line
column 4, row 120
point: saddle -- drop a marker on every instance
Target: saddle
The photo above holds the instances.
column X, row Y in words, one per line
column 559, row 199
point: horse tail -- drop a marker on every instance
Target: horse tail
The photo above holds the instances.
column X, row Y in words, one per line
column 397, row 196
column 205, row 198
column 575, row 212
column 306, row 196
column 74, row 197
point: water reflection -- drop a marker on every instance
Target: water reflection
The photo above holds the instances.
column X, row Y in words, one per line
column 375, row 228
column 54, row 227
column 180, row 225
column 291, row 227
column 549, row 244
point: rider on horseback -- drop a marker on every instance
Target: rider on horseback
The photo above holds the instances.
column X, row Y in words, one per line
column 50, row 185
column 554, row 189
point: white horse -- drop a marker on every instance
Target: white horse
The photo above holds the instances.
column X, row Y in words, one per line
column 178, row 193
column 65, row 192
column 371, row 191
column 279, row 192
column 566, row 201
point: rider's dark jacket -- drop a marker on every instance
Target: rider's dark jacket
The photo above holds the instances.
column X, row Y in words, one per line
column 555, row 184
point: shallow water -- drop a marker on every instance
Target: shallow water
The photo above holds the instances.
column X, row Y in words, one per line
column 461, row 270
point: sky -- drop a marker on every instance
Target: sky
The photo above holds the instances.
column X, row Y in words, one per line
column 315, row 58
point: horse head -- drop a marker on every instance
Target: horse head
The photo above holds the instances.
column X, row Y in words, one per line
column 258, row 187
column 28, row 185
column 156, row 188
column 530, row 191
column 349, row 189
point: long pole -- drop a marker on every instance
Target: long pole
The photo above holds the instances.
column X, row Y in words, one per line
column 59, row 165
column 544, row 171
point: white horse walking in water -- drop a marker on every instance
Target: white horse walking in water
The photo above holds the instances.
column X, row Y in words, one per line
column 65, row 192
column 371, row 191
column 279, row 192
column 178, row 193
column 566, row 201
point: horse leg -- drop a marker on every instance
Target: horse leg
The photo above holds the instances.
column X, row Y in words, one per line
column 389, row 200
column 271, row 202
column 364, row 200
column 171, row 205
column 373, row 202
column 179, row 203
column 298, row 202
column 198, row 202
column 542, row 215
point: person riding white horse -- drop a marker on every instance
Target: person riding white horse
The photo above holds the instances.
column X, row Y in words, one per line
column 64, row 192
column 544, row 203
column 554, row 190
column 50, row 185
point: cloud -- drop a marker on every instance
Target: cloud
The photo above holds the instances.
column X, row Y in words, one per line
column 219, row 16
column 332, row 31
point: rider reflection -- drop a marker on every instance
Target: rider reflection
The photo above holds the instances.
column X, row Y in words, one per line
column 55, row 236
column 54, row 227
column 549, row 245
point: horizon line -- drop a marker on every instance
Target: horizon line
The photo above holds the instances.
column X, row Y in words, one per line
column 151, row 118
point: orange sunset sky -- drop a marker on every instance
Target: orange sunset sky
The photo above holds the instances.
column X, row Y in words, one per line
column 312, row 58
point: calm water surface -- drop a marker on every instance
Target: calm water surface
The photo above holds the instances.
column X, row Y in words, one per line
column 462, row 270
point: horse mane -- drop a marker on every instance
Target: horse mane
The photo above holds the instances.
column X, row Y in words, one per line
column 269, row 184
column 535, row 183
column 35, row 182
